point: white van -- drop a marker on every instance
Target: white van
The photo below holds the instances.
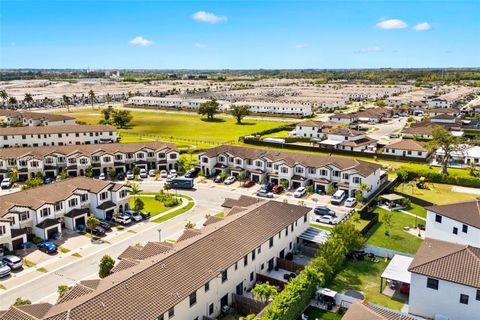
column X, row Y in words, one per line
column 338, row 197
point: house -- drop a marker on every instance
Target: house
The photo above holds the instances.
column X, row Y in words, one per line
column 373, row 115
column 407, row 148
column 348, row 139
column 439, row 103
column 194, row 278
column 280, row 108
column 423, row 128
column 445, row 281
column 75, row 159
column 345, row 118
column 364, row 310
column 313, row 128
column 34, row 119
column 174, row 102
column 293, row 169
column 441, row 111
column 57, row 135
column 456, row 222
column 41, row 211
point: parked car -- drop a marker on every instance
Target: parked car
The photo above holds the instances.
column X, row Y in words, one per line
column 267, row 186
column 394, row 136
column 169, row 178
column 47, row 247
column 324, row 211
column 192, row 173
column 350, row 202
column 4, row 269
column 277, row 188
column 151, row 173
column 327, row 219
column 97, row 231
column 120, row 176
column 122, row 219
column 218, row 179
column 265, row 194
column 163, row 174
column 173, row 172
column 47, row 180
column 133, row 215
column 105, row 225
column 130, row 175
column 6, row 183
column 248, row 183
column 102, row 176
column 143, row 173
column 229, row 180
column 13, row 262
column 300, row 192
column 338, row 197
column 145, row 215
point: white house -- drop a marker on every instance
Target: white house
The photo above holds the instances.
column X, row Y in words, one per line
column 312, row 128
column 348, row 139
column 42, row 210
column 281, row 108
column 345, row 118
column 407, row 148
column 57, row 135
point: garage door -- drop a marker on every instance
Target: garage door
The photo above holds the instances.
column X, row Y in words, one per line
column 296, row 185
column 79, row 221
column 17, row 244
column 51, row 232
column 256, row 178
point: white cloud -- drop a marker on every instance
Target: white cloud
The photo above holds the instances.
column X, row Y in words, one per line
column 423, row 26
column 369, row 50
column 392, row 24
column 141, row 41
column 208, row 17
column 199, row 45
column 299, row 46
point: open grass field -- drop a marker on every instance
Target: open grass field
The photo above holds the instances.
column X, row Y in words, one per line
column 437, row 194
column 398, row 239
column 182, row 129
column 364, row 276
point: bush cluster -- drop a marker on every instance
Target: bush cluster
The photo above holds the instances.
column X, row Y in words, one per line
column 437, row 177
column 167, row 199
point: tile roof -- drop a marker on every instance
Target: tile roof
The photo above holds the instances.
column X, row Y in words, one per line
column 242, row 201
column 57, row 129
column 448, row 261
column 408, row 144
column 34, row 115
column 367, row 311
column 291, row 159
column 202, row 258
column 467, row 212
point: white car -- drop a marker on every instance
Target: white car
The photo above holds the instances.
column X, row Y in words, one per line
column 169, row 178
column 122, row 219
column 350, row 202
column 143, row 173
column 6, row 183
column 300, row 192
column 102, row 176
column 130, row 175
column 151, row 173
column 173, row 173
column 133, row 215
column 327, row 219
column 163, row 174
column 229, row 180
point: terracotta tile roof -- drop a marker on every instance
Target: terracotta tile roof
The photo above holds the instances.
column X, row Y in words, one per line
column 106, row 205
column 57, row 129
column 189, row 233
column 467, row 212
column 35, row 115
column 408, row 144
column 342, row 116
column 443, row 110
column 149, row 250
column 242, row 201
column 366, row 311
column 202, row 258
column 235, row 210
column 346, row 132
column 16, row 314
column 35, row 310
column 448, row 261
column 124, row 264
column 76, row 213
column 212, row 219
column 77, row 291
column 291, row 159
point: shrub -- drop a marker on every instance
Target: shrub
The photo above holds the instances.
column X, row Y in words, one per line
column 37, row 240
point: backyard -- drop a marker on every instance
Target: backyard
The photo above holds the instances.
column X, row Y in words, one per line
column 436, row 193
column 316, row 313
column 398, row 239
column 364, row 276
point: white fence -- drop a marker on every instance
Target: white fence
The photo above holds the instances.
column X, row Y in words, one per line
column 384, row 252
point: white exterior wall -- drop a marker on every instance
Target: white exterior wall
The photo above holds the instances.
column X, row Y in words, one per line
column 309, row 132
column 444, row 231
column 404, row 153
column 56, row 139
column 445, row 301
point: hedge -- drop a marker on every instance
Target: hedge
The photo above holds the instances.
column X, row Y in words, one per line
column 287, row 127
column 436, row 177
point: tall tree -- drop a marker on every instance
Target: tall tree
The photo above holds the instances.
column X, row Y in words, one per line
column 12, row 101
column 264, row 291
column 240, row 112
column 209, row 108
column 91, row 223
column 66, row 102
column 91, row 97
column 106, row 266
column 4, row 96
column 134, row 189
column 28, row 99
column 121, row 118
column 444, row 140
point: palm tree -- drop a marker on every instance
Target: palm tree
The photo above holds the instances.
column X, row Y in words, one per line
column 108, row 98
column 4, row 96
column 66, row 102
column 12, row 101
column 74, row 99
column 28, row 99
column 134, row 190
column 91, row 96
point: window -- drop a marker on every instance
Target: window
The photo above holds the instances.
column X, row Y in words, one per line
column 83, row 161
column 438, row 218
column 161, row 156
column 207, row 286
column 210, row 309
column 478, row 295
column 253, row 255
column 258, row 163
column 140, row 155
column 107, row 159
column 464, row 228
column 463, row 298
column 193, row 298
column 171, row 312
column 45, row 212
column 323, row 172
column 150, row 154
column 245, row 261
column 298, row 170
column 286, row 231
column 357, row 180
column 251, row 276
column 455, row 230
column 58, row 206
column 270, row 242
column 24, row 216
column 238, row 161
column 84, row 197
column 259, row 249
column 269, row 164
column 204, row 159
column 236, row 266
column 72, row 202
column 123, row 193
column 118, row 157
column 432, row 283
column 221, row 159
column 336, row 173
column 284, row 170
column 224, row 275
column 173, row 156
column 312, row 170
column 345, row 176
column 3, row 230
column 160, row 317
column 103, row 195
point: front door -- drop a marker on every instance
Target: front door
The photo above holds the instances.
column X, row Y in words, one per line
column 224, row 301
column 270, row 264
column 239, row 290
column 282, row 254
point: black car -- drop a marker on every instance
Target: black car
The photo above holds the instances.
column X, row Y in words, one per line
column 267, row 187
column 105, row 225
column 324, row 211
column 192, row 173
column 97, row 231
column 145, row 215
column 120, row 176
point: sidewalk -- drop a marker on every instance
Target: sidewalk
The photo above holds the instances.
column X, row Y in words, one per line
column 85, row 248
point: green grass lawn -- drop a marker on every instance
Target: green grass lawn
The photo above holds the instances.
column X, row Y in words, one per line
column 151, row 205
column 316, row 313
column 364, row 276
column 418, row 210
column 437, row 194
column 398, row 239
column 183, row 129
column 175, row 213
column 319, row 226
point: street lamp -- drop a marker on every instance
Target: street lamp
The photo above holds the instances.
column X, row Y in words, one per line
column 159, row 235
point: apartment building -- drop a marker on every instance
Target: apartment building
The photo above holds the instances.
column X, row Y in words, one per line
column 294, row 169
column 195, row 277
column 407, row 148
column 281, row 108
column 45, row 210
column 57, row 135
column 75, row 159
column 34, row 119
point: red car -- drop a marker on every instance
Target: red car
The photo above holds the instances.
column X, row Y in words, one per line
column 277, row 189
column 248, row 183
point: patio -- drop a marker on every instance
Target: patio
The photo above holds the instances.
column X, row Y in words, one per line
column 398, row 278
column 392, row 201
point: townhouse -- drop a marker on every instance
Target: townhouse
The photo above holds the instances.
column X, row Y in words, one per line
column 423, row 128
column 194, row 278
column 368, row 311
column 44, row 211
column 174, row 102
column 313, row 128
column 34, row 119
column 348, row 139
column 441, row 111
column 75, row 159
column 345, row 118
column 57, row 135
column 293, row 169
column 280, row 108
column 407, row 148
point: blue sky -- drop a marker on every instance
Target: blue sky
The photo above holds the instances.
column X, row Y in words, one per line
column 239, row 34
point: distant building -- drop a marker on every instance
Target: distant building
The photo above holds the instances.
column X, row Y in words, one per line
column 34, row 119
column 407, row 148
